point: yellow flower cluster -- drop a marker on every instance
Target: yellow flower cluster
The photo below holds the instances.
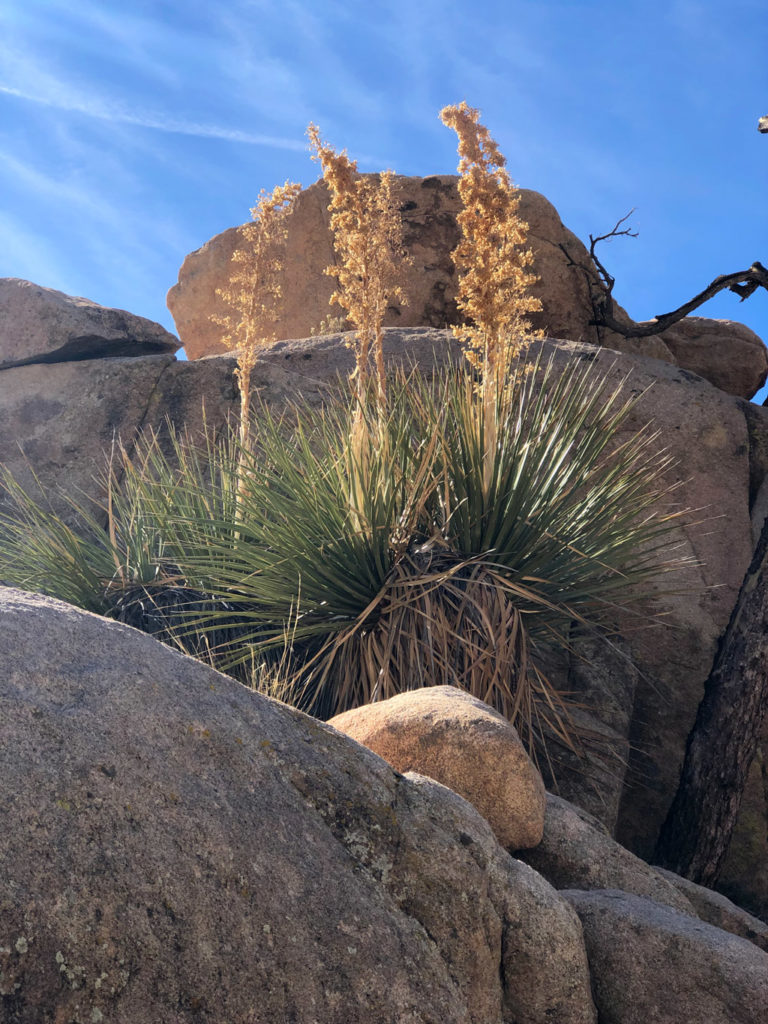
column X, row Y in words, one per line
column 368, row 239
column 255, row 286
column 494, row 279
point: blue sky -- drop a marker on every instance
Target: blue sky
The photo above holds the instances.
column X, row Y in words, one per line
column 131, row 132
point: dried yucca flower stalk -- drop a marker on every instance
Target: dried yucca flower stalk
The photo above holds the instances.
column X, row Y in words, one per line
column 255, row 288
column 255, row 291
column 494, row 279
column 368, row 238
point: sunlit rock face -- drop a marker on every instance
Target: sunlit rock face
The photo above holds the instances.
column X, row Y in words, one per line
column 176, row 847
column 727, row 354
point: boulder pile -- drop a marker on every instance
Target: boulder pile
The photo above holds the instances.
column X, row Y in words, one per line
column 176, row 847
column 57, row 421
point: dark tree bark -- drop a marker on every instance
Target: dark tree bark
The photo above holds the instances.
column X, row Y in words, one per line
column 695, row 837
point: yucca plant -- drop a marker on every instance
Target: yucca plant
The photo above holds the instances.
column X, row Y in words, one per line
column 252, row 557
column 304, row 557
column 254, row 291
column 41, row 552
column 436, row 578
column 414, row 534
column 368, row 240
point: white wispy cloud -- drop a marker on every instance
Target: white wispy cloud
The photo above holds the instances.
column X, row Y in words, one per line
column 50, row 188
column 159, row 122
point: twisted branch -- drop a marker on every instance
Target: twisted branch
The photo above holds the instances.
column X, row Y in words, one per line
column 600, row 284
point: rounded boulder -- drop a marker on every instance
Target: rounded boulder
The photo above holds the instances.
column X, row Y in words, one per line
column 447, row 734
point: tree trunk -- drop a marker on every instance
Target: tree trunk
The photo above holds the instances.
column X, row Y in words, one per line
column 697, row 832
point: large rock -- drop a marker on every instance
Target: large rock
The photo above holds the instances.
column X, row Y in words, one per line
column 40, row 325
column 576, row 852
column 651, row 963
column 705, row 430
column 452, row 737
column 178, row 848
column 58, row 422
column 719, row 911
column 601, row 679
column 729, row 355
column 541, row 933
column 429, row 207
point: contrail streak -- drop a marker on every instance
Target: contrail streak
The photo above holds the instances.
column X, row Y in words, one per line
column 163, row 124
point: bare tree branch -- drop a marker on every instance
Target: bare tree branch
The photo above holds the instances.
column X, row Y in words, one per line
column 599, row 282
column 607, row 279
column 742, row 282
column 600, row 287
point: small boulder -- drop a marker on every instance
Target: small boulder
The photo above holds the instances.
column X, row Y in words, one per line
column 727, row 354
column 447, row 734
column 651, row 963
column 40, row 325
column 576, row 852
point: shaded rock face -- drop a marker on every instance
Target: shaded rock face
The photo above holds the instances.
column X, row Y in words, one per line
column 652, row 963
column 58, row 422
column 577, row 853
column 458, row 740
column 716, row 910
column 40, row 325
column 177, row 848
column 727, row 354
column 602, row 680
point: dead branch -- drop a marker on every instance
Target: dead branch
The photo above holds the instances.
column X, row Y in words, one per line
column 613, row 233
column 599, row 282
column 742, row 282
column 600, row 287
